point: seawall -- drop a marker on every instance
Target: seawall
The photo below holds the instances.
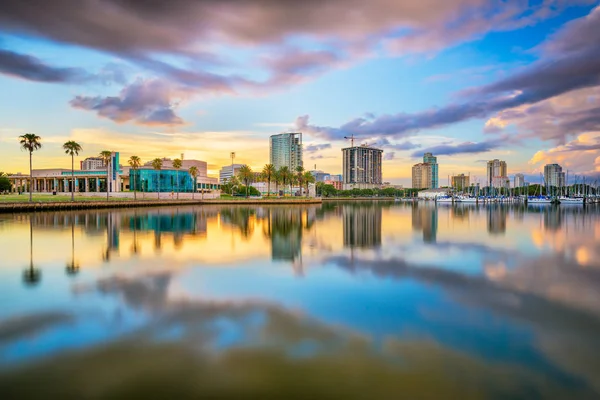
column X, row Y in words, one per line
column 17, row 207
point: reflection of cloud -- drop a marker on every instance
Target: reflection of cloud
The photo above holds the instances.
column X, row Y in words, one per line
column 23, row 326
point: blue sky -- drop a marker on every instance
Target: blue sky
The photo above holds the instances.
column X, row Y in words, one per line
column 470, row 79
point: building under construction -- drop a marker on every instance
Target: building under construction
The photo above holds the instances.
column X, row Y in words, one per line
column 362, row 167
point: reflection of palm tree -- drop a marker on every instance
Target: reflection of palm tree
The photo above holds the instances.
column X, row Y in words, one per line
column 31, row 276
column 72, row 268
column 135, row 248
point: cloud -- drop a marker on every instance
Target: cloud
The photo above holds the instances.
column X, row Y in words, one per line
column 555, row 74
column 312, row 148
column 33, row 69
column 462, row 148
column 146, row 102
column 388, row 156
column 580, row 154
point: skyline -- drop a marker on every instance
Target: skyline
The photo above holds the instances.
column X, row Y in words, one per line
column 408, row 78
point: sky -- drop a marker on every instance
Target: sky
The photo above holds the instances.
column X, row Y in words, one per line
column 469, row 80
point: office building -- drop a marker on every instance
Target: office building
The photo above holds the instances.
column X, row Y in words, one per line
column 362, row 167
column 92, row 164
column 421, row 176
column 286, row 150
column 554, row 175
column 496, row 174
column 461, row 182
column 519, row 180
column 226, row 173
column 430, row 159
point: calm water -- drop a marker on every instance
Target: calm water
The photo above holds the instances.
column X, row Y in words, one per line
column 360, row 300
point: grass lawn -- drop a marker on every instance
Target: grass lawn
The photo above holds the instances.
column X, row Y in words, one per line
column 24, row 198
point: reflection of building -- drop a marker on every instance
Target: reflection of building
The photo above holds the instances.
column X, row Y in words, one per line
column 425, row 218
column 284, row 227
column 554, row 175
column 497, row 219
column 286, row 150
column 361, row 167
column 461, row 182
column 362, row 225
column 496, row 174
column 428, row 158
column 226, row 173
column 552, row 218
column 421, row 176
column 519, row 180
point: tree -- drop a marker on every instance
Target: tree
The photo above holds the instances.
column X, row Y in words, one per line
column 308, row 178
column 268, row 172
column 177, row 165
column 30, row 142
column 194, row 174
column 106, row 156
column 134, row 162
column 300, row 176
column 277, row 180
column 72, row 148
column 246, row 175
column 5, row 184
column 157, row 165
column 284, row 174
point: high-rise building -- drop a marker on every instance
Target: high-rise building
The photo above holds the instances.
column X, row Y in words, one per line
column 421, row 176
column 554, row 175
column 461, row 182
column 286, row 150
column 228, row 171
column 430, row 159
column 93, row 164
column 519, row 180
column 496, row 174
column 362, row 167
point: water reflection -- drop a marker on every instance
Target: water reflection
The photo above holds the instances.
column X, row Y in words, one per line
column 497, row 300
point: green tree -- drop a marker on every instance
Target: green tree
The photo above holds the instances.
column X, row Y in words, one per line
column 246, row 175
column 30, row 142
column 134, row 162
column 72, row 148
column 177, row 165
column 308, row 178
column 194, row 174
column 277, row 180
column 268, row 172
column 5, row 185
column 106, row 156
column 157, row 164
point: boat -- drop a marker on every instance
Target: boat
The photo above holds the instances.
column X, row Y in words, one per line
column 539, row 200
column 445, row 199
column 468, row 199
column 570, row 200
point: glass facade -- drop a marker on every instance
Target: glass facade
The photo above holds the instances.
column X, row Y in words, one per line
column 166, row 180
column 150, row 180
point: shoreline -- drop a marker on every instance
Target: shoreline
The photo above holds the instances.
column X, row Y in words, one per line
column 19, row 207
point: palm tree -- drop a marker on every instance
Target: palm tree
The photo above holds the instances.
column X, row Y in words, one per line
column 300, row 176
column 106, row 156
column 277, row 180
column 157, row 165
column 245, row 173
column 30, row 142
column 194, row 174
column 177, row 165
column 268, row 172
column 72, row 148
column 308, row 178
column 284, row 175
column 134, row 162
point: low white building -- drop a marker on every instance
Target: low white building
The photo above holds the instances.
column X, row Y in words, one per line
column 431, row 194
